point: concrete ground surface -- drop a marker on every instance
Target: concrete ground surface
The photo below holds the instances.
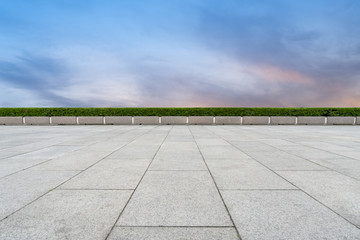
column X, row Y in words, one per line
column 180, row 182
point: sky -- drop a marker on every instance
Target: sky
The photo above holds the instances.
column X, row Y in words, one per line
column 179, row 53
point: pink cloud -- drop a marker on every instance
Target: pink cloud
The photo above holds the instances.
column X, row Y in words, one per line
column 276, row 74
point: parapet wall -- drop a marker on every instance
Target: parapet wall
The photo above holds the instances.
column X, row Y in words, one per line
column 179, row 120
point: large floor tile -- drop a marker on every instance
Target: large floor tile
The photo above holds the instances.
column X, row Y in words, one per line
column 49, row 152
column 173, row 233
column 222, row 153
column 12, row 165
column 178, row 163
column 66, row 214
column 245, row 174
column 278, row 160
column 21, row 188
column 290, row 215
column 338, row 192
column 110, row 174
column 78, row 160
column 343, row 165
column 175, row 198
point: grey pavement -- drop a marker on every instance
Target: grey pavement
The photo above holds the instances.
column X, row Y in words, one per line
column 180, row 182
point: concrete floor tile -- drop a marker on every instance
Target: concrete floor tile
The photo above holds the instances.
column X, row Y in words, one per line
column 245, row 174
column 6, row 154
column 252, row 146
column 135, row 152
column 66, row 214
column 179, row 163
column 78, row 160
column 278, row 160
column 346, row 166
column 110, row 174
column 49, row 152
column 175, row 199
column 11, row 165
column 173, row 233
column 336, row 191
column 222, row 153
column 21, row 188
column 285, row 215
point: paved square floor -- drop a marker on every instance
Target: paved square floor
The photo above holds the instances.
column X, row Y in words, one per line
column 180, row 182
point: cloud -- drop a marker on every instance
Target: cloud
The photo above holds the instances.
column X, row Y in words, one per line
column 36, row 75
column 295, row 64
column 237, row 53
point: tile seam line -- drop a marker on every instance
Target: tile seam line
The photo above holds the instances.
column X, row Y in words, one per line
column 329, row 169
column 249, row 190
column 171, row 170
column 48, row 160
column 67, row 180
column 312, row 161
column 216, row 186
column 56, row 144
column 94, row 189
column 326, row 152
column 162, row 226
column 142, row 177
column 292, row 184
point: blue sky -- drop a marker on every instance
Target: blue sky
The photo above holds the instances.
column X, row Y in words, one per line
column 179, row 53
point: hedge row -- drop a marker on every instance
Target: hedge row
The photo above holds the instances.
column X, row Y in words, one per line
column 179, row 111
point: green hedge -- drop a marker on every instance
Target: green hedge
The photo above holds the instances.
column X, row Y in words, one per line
column 179, row 111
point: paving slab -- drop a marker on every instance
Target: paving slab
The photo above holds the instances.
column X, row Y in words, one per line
column 108, row 145
column 174, row 233
column 175, row 198
column 8, row 153
column 221, row 152
column 344, row 165
column 279, row 160
column 245, row 174
column 252, row 146
column 48, row 152
column 211, row 142
column 66, row 214
column 135, row 152
column 179, row 163
column 110, row 174
column 285, row 215
column 338, row 192
column 11, row 165
column 78, row 160
column 350, row 154
column 21, row 188
column 178, row 156
column 311, row 154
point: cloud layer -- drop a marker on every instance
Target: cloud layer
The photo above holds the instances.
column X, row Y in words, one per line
column 179, row 53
